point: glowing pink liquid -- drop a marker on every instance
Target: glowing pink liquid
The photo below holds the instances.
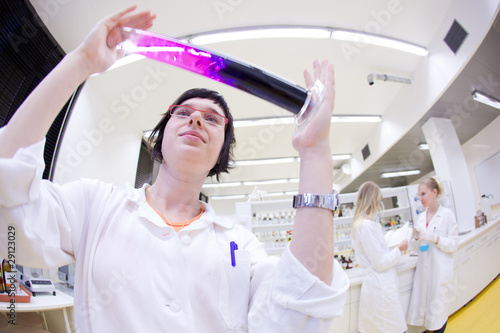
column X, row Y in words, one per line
column 216, row 67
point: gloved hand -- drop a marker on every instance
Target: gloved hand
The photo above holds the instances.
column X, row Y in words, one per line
column 431, row 238
column 418, row 232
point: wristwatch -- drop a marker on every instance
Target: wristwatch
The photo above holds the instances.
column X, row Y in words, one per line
column 328, row 201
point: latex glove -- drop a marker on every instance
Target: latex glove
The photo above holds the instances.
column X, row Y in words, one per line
column 418, row 231
column 431, row 238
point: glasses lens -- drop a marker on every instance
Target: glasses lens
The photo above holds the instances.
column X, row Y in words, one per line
column 213, row 118
column 181, row 111
column 209, row 117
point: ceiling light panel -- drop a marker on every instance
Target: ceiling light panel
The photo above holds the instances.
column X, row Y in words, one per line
column 399, row 173
column 312, row 32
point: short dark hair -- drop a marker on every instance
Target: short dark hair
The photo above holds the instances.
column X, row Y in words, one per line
column 226, row 153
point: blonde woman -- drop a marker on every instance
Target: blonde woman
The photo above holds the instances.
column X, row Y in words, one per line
column 379, row 306
column 437, row 232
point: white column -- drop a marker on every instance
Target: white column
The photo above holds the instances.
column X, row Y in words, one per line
column 449, row 163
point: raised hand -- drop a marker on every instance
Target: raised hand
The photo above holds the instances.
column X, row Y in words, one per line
column 315, row 133
column 99, row 47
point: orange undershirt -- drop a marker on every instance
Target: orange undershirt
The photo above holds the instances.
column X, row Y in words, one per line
column 177, row 225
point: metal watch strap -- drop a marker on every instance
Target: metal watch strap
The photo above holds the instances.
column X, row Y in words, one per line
column 328, row 201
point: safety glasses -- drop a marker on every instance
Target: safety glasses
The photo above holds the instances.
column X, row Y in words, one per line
column 210, row 117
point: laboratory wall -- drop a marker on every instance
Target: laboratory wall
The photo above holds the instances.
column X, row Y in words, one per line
column 478, row 149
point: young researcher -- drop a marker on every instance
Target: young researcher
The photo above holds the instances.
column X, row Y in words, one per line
column 433, row 280
column 156, row 259
column 380, row 309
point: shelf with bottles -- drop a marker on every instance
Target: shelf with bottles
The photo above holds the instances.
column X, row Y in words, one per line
column 270, row 221
column 274, row 241
column 342, row 232
column 346, row 260
column 275, row 219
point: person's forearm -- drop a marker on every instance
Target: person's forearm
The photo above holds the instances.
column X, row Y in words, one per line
column 34, row 117
column 312, row 242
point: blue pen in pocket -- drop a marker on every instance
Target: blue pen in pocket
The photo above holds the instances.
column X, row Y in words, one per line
column 233, row 246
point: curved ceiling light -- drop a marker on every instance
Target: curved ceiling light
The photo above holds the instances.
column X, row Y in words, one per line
column 286, row 120
column 292, row 31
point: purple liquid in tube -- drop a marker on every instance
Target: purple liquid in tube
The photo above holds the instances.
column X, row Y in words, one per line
column 220, row 68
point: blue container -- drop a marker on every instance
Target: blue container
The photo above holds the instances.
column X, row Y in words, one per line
column 424, row 247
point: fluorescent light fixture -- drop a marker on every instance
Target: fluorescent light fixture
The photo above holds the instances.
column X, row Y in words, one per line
column 227, row 197
column 217, row 185
column 243, row 196
column 252, row 183
column 399, row 173
column 485, row 99
column 423, row 146
column 264, row 122
column 365, row 38
column 340, row 157
column 304, row 32
column 279, row 194
column 266, row 182
column 290, row 120
column 260, row 33
column 266, row 161
column 276, row 194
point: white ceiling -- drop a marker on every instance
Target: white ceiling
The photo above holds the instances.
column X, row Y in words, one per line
column 423, row 23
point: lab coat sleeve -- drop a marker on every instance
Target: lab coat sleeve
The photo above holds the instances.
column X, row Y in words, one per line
column 46, row 223
column 286, row 297
column 377, row 251
column 449, row 242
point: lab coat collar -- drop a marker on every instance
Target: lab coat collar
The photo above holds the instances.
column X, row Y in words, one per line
column 436, row 217
column 138, row 196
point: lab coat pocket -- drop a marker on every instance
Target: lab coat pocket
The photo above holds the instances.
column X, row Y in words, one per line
column 441, row 232
column 234, row 290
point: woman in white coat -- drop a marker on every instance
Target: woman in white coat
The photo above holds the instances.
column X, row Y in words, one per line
column 193, row 279
column 379, row 306
column 437, row 233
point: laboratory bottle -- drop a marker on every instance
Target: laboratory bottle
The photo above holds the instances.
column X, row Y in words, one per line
column 5, row 275
column 2, row 289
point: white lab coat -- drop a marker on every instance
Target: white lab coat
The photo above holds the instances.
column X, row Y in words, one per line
column 380, row 309
column 134, row 273
column 433, row 283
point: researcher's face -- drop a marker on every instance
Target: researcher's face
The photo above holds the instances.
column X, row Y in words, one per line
column 426, row 195
column 192, row 137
